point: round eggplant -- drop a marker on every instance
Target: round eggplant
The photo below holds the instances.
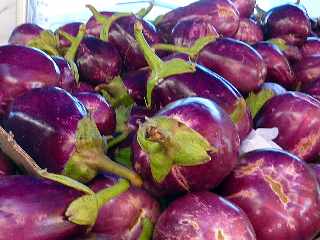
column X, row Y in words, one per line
column 24, row 33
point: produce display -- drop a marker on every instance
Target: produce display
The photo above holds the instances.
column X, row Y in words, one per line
column 203, row 124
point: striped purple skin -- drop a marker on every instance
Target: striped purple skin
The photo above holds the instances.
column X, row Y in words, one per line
column 245, row 7
column 23, row 33
column 222, row 14
column 307, row 69
column 44, row 122
column 297, row 117
column 278, row 192
column 311, row 47
column 236, row 61
column 278, row 67
column 33, row 209
column 203, row 215
column 249, row 31
column 22, row 69
column 119, row 218
column 209, row 120
column 70, row 28
column 6, row 166
column 100, row 111
column 289, row 22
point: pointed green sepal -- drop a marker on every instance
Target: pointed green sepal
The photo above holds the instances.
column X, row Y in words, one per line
column 255, row 101
column 46, row 42
column 169, row 142
column 123, row 156
column 280, row 43
column 239, row 111
column 147, row 229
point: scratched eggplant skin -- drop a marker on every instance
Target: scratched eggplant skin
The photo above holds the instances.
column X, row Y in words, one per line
column 203, row 215
column 278, row 192
column 297, row 117
column 209, row 120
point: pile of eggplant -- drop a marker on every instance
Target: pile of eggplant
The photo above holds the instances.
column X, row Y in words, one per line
column 120, row 128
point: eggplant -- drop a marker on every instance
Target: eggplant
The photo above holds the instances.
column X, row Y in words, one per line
column 55, row 129
column 122, row 35
column 6, row 166
column 272, row 187
column 167, row 166
column 187, row 32
column 278, row 67
column 23, row 68
column 203, row 215
column 123, row 217
column 50, row 211
column 289, row 22
column 222, row 13
column 100, row 111
column 249, row 31
column 307, row 69
column 313, row 88
column 70, row 28
column 23, row 33
column 297, row 117
column 292, row 53
column 311, row 47
column 67, row 79
column 245, row 7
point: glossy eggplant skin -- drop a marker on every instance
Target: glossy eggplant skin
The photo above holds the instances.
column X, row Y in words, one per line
column 187, row 32
column 209, row 120
column 22, row 69
column 278, row 192
column 67, row 80
column 120, row 218
column 100, row 111
column 289, row 22
column 203, row 215
column 122, row 36
column 313, row 89
column 236, row 61
column 307, row 69
column 23, row 33
column 249, row 31
column 245, row 7
column 71, row 28
column 222, row 13
column 297, row 117
column 44, row 122
column 278, row 67
column 311, row 47
column 293, row 54
column 98, row 61
column 33, row 209
column 6, row 166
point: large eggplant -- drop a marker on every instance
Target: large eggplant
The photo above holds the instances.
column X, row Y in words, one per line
column 272, row 187
column 55, row 129
column 190, row 145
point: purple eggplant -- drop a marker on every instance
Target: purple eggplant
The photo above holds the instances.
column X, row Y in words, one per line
column 297, row 117
column 273, row 187
column 187, row 32
column 249, row 31
column 278, row 67
column 67, row 79
column 245, row 7
column 203, row 215
column 289, row 22
column 161, row 157
column 307, row 69
column 82, row 87
column 70, row 28
column 311, row 47
column 6, row 166
column 313, row 89
column 122, row 218
column 292, row 53
column 23, row 33
column 222, row 13
column 23, row 68
column 100, row 110
column 122, row 36
column 55, row 129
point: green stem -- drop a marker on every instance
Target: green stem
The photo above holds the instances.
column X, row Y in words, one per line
column 147, row 229
column 75, row 42
column 118, row 139
column 159, row 68
column 46, row 42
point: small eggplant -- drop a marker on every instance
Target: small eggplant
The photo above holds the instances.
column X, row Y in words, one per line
column 272, row 187
column 278, row 67
column 311, row 47
column 100, row 111
column 23, row 33
column 55, row 129
column 307, row 69
column 170, row 168
column 6, row 166
column 289, row 22
column 23, row 68
column 245, row 7
column 297, row 117
column 221, row 13
column 203, row 215
column 249, row 31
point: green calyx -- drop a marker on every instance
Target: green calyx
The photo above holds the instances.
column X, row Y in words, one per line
column 280, row 43
column 192, row 52
column 46, row 42
column 123, row 156
column 85, row 209
column 239, row 111
column 255, row 101
column 147, row 229
column 88, row 157
column 169, row 143
column 159, row 69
